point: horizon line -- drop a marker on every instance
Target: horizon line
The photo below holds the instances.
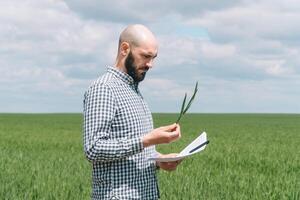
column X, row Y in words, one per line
column 157, row 113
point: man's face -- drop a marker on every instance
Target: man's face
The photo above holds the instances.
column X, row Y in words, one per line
column 132, row 69
column 138, row 62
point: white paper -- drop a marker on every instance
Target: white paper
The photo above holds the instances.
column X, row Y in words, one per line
column 187, row 150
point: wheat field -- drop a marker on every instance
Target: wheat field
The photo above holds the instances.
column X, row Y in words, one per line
column 250, row 156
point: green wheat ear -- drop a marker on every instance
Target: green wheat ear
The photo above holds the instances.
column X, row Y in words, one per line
column 185, row 109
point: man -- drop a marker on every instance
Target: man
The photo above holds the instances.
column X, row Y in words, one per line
column 118, row 126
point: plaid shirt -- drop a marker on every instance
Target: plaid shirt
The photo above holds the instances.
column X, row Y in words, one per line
column 115, row 118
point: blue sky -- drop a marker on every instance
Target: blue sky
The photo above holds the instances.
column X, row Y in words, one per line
column 244, row 54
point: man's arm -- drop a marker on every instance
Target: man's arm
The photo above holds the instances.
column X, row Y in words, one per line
column 168, row 166
column 99, row 111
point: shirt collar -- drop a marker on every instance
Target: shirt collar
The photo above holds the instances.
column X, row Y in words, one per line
column 122, row 75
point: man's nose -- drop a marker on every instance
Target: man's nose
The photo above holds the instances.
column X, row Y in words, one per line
column 150, row 63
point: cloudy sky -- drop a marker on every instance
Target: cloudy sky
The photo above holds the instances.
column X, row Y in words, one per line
column 245, row 54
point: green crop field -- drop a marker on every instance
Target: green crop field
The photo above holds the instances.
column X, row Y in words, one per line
column 250, row 156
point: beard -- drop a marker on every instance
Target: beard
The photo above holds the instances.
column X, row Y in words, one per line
column 132, row 69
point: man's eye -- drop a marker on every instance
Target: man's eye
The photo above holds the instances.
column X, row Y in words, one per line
column 147, row 56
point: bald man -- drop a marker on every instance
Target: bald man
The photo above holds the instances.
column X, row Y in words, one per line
column 118, row 125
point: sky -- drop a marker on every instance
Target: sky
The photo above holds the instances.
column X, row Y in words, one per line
column 245, row 55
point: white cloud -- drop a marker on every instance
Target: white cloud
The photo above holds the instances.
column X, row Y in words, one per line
column 245, row 53
column 263, row 32
column 50, row 27
column 217, row 51
column 44, row 45
column 274, row 67
column 164, row 88
column 177, row 51
column 131, row 11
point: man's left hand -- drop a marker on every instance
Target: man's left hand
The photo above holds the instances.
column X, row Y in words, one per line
column 168, row 166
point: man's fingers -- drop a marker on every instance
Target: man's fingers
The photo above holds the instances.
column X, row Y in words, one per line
column 171, row 136
column 175, row 134
column 172, row 154
column 169, row 127
column 178, row 130
column 172, row 165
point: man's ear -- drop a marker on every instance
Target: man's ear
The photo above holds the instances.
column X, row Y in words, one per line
column 124, row 48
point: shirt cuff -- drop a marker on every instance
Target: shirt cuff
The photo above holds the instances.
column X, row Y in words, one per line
column 135, row 145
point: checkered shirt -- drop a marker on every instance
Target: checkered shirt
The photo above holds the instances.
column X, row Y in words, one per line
column 115, row 119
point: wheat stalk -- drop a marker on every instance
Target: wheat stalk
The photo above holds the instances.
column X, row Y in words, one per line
column 185, row 109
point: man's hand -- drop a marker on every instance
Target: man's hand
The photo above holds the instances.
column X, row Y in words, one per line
column 164, row 134
column 168, row 166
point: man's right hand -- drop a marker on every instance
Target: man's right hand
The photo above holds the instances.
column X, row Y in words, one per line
column 164, row 134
